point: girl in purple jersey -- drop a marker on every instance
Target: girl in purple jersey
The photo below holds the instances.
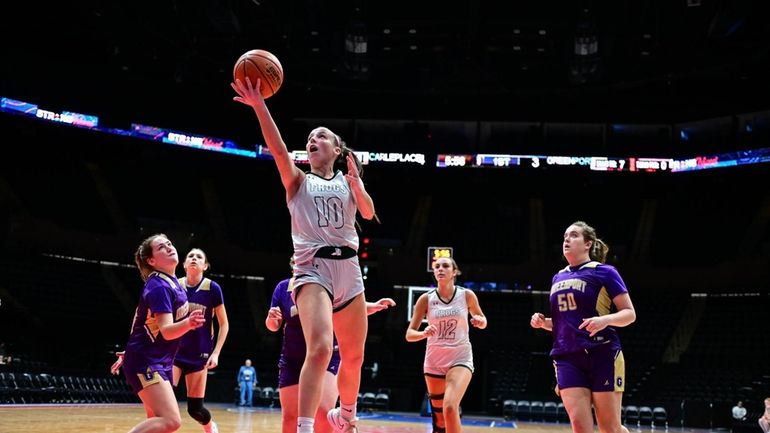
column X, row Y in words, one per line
column 587, row 357
column 161, row 318
column 283, row 314
column 329, row 291
column 197, row 352
column 448, row 366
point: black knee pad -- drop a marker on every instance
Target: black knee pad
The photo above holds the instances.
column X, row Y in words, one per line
column 197, row 411
column 435, row 410
column 434, row 419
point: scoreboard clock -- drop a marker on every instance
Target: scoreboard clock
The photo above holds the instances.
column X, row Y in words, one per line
column 435, row 253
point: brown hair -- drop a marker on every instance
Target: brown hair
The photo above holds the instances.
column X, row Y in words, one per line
column 205, row 259
column 144, row 253
column 456, row 268
column 341, row 163
column 599, row 249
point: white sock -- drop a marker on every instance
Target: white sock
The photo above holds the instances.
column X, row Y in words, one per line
column 305, row 424
column 348, row 411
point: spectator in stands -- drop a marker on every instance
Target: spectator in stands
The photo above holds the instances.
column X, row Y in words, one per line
column 162, row 317
column 283, row 312
column 247, row 380
column 739, row 412
column 328, row 285
column 764, row 420
column 198, row 351
column 586, row 349
column 448, row 365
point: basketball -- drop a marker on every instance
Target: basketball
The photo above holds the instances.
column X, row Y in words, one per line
column 262, row 65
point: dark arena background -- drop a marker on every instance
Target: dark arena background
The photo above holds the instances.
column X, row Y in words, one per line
column 486, row 127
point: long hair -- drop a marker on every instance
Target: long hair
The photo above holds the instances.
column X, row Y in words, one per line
column 144, row 253
column 341, row 163
column 599, row 249
column 455, row 268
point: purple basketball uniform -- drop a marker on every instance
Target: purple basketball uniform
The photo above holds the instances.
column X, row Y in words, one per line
column 149, row 356
column 196, row 345
column 580, row 360
column 293, row 348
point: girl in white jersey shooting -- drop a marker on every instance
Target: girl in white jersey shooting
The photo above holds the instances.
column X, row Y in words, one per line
column 448, row 363
column 329, row 288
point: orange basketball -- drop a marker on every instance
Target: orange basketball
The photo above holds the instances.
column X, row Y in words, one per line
column 263, row 65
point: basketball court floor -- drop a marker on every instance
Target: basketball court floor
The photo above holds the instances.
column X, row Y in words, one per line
column 117, row 418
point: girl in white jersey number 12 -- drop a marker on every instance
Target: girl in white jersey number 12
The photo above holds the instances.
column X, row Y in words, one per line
column 448, row 365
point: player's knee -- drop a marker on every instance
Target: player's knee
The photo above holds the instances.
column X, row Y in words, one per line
column 319, row 353
column 172, row 423
column 197, row 411
column 352, row 358
column 451, row 408
column 582, row 426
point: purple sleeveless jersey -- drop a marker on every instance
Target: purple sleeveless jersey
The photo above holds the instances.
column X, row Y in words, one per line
column 146, row 347
column 577, row 294
column 196, row 345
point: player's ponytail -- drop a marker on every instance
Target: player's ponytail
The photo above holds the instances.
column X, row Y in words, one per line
column 143, row 253
column 599, row 249
column 341, row 163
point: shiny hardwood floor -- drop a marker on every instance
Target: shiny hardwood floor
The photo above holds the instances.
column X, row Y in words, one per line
column 120, row 418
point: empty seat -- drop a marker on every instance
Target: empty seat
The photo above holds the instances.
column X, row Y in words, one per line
column 536, row 410
column 509, row 409
column 645, row 415
column 382, row 401
column 632, row 415
column 367, row 401
column 660, row 416
column 266, row 395
column 523, row 411
column 550, row 411
column 562, row 413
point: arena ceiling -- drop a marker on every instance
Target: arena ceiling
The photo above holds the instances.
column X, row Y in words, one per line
column 500, row 59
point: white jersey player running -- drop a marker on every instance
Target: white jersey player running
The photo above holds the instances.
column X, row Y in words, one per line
column 448, row 365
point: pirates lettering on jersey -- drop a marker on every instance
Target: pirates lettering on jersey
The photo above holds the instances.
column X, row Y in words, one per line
column 572, row 283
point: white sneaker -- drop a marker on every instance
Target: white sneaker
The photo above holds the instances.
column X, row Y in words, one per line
column 340, row 423
column 212, row 428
